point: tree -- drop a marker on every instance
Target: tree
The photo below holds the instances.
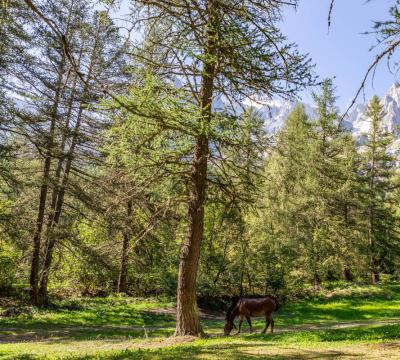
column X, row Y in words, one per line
column 215, row 50
column 333, row 162
column 378, row 175
column 53, row 111
column 310, row 207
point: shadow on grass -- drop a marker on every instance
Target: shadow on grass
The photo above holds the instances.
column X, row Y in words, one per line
column 229, row 351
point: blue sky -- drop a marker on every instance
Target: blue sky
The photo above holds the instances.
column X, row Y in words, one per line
column 344, row 52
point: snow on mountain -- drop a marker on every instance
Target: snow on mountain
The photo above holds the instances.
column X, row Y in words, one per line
column 391, row 121
column 275, row 113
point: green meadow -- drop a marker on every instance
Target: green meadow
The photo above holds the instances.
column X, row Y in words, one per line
column 357, row 321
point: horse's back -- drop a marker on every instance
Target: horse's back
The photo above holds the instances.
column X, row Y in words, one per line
column 256, row 306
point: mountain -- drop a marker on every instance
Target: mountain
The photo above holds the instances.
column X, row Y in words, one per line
column 275, row 112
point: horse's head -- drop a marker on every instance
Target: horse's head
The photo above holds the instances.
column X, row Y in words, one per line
column 229, row 325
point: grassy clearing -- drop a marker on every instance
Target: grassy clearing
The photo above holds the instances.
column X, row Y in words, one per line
column 122, row 328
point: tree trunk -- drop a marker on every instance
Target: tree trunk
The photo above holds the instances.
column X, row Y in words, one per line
column 375, row 276
column 371, row 212
column 35, row 263
column 316, row 282
column 52, row 239
column 123, row 272
column 347, row 276
column 34, row 274
column 59, row 192
column 187, row 314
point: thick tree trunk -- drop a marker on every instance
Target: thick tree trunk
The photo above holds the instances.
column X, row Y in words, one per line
column 123, row 271
column 187, row 315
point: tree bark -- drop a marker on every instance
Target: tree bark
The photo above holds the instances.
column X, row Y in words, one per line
column 187, row 314
column 35, row 263
column 123, row 272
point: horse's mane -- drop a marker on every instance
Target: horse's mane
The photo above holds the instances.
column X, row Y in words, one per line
column 230, row 309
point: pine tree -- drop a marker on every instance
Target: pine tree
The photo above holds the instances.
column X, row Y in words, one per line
column 311, row 199
column 333, row 171
column 378, row 176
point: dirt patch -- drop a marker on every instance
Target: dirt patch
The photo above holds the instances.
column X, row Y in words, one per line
column 389, row 346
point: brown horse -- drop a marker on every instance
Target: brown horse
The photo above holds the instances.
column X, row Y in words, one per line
column 247, row 307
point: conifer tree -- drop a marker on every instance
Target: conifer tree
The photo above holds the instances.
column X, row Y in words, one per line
column 311, row 199
column 216, row 48
column 378, row 176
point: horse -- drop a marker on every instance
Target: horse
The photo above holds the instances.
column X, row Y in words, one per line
column 247, row 307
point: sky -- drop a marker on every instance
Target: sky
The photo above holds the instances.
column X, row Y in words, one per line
column 344, row 52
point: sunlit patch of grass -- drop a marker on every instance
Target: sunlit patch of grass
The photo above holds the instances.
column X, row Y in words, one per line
column 95, row 312
column 122, row 328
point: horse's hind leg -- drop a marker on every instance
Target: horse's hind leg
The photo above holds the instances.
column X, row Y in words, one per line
column 267, row 321
column 272, row 324
column 249, row 321
column 240, row 324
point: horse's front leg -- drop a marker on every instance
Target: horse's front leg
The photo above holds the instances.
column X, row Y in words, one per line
column 240, row 324
column 249, row 321
column 272, row 324
column 266, row 324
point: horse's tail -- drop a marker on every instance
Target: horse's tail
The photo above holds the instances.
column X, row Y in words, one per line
column 230, row 309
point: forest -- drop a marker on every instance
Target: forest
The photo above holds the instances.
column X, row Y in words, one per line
column 137, row 172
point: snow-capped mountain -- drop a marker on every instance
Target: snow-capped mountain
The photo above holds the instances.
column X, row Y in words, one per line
column 391, row 120
column 275, row 113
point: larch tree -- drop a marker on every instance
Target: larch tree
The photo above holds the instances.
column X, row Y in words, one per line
column 217, row 49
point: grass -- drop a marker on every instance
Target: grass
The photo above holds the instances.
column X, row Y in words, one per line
column 127, row 328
